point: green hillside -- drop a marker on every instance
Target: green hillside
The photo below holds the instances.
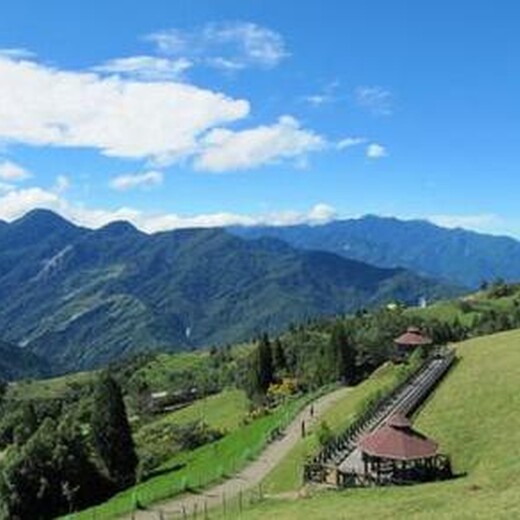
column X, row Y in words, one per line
column 474, row 417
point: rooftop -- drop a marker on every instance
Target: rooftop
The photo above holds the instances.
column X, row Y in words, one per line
column 397, row 440
column 413, row 337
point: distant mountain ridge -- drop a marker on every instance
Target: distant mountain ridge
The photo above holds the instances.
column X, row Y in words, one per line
column 81, row 298
column 457, row 256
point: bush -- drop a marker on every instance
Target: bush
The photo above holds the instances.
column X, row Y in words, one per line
column 324, row 434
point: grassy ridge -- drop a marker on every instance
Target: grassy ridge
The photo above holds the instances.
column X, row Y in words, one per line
column 474, row 416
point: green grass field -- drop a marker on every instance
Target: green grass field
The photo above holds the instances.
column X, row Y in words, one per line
column 224, row 411
column 474, row 416
column 192, row 470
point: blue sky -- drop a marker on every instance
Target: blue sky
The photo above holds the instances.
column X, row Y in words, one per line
column 181, row 113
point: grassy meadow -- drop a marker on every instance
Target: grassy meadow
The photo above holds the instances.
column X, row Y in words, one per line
column 474, row 416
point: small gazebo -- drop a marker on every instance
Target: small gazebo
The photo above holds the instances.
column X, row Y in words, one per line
column 395, row 453
column 410, row 340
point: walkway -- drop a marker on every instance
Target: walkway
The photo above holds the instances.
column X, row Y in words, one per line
column 250, row 476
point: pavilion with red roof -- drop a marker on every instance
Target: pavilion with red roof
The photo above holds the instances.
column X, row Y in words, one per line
column 410, row 340
column 396, row 453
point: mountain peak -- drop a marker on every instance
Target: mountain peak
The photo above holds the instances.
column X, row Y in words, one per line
column 119, row 227
column 43, row 219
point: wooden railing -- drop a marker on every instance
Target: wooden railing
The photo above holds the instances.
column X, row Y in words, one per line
column 405, row 398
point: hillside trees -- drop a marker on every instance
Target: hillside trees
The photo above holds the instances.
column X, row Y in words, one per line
column 345, row 351
column 50, row 475
column 111, row 433
column 260, row 370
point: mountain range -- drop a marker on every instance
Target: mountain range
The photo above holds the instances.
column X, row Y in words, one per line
column 80, row 298
column 457, row 256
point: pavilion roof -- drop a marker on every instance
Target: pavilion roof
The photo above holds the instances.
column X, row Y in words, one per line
column 397, row 440
column 413, row 337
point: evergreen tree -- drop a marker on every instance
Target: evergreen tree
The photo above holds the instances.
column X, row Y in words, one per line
column 111, row 433
column 279, row 361
column 265, row 363
column 345, row 351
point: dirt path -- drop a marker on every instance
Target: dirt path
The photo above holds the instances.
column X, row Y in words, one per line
column 251, row 475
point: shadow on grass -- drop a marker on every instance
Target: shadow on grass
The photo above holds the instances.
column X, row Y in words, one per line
column 164, row 471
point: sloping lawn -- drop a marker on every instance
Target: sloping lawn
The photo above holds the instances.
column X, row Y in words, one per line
column 475, row 416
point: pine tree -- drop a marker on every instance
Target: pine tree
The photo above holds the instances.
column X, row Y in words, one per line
column 345, row 351
column 265, row 363
column 111, row 433
column 280, row 363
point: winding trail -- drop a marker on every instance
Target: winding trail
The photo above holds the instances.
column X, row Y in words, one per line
column 251, row 476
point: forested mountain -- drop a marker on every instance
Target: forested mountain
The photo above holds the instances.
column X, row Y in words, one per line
column 458, row 256
column 81, row 298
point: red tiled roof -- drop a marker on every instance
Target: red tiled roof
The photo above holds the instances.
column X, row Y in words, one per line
column 413, row 337
column 397, row 440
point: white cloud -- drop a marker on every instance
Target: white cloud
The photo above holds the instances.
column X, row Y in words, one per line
column 16, row 53
column 321, row 214
column 228, row 45
column 318, row 99
column 146, row 67
column 61, row 185
column 19, row 201
column 224, row 150
column 327, row 95
column 376, row 151
column 137, row 180
column 349, row 142
column 121, row 118
column 376, row 100
column 12, row 172
column 6, row 187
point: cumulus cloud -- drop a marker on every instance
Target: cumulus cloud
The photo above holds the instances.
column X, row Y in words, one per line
column 224, row 150
column 225, row 45
column 146, row 67
column 17, row 202
column 159, row 121
column 376, row 151
column 376, row 100
column 12, row 172
column 121, row 118
column 137, row 180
